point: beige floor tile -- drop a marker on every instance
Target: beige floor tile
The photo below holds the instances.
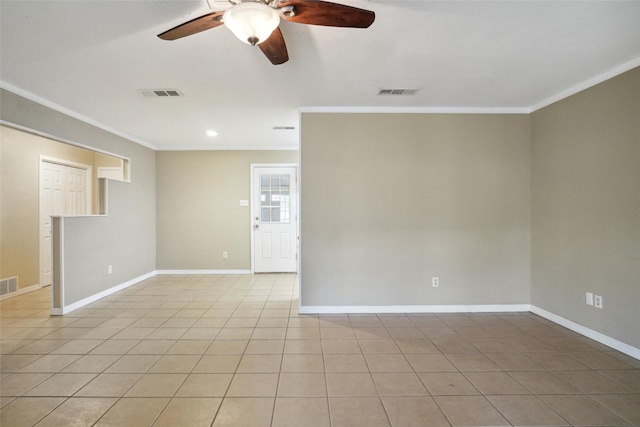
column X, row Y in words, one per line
column 273, row 322
column 235, row 333
column 371, row 332
column 200, row 334
column 192, row 412
column 269, row 334
column 240, row 322
column 627, row 406
column 303, row 333
column 628, row 377
column 514, row 362
column 544, row 383
column 341, row 347
column 598, row 360
column 430, row 363
column 302, row 347
column 245, row 412
column 253, row 385
column 113, row 346
column 50, row 363
column 398, row 384
column 495, row 383
column 526, row 411
column 19, row 383
column 133, row 412
column 133, row 364
column 416, row 345
column 452, row 344
column 299, row 412
column 152, row 346
column 109, row 385
column 260, row 363
column 470, row 411
column 40, row 346
column 189, row 347
column 447, row 384
column 78, row 411
column 205, row 385
column 218, row 364
column 132, row 333
column 77, row 347
column 175, row 364
column 228, row 347
column 92, row 363
column 345, row 363
column 60, row 385
column 265, row 346
column 378, row 346
column 556, row 361
column 592, row 382
column 302, row 363
column 302, row 385
column 15, row 362
column 472, row 362
column 357, row 411
column 27, row 411
column 350, row 384
column 156, row 385
column 388, row 363
column 583, row 410
column 418, row 411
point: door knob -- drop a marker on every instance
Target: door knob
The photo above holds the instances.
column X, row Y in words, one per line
column 257, row 226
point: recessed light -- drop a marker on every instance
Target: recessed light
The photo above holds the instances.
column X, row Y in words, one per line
column 211, row 133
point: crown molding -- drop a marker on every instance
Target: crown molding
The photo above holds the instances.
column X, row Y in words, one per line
column 68, row 112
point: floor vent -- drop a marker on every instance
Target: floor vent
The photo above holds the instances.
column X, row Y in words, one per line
column 9, row 285
column 397, row 92
column 154, row 93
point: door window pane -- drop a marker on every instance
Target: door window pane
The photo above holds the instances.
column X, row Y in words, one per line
column 274, row 199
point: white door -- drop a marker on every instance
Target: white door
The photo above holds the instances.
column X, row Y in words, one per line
column 275, row 219
column 63, row 191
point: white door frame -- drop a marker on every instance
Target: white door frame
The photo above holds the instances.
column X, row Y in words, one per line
column 89, row 187
column 255, row 210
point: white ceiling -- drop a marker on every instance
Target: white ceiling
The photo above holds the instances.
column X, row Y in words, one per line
column 90, row 59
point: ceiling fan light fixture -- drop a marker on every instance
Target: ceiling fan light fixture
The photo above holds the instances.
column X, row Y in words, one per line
column 251, row 22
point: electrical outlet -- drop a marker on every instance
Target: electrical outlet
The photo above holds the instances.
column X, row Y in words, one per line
column 225, row 254
column 109, row 269
column 589, row 298
column 435, row 282
column 598, row 301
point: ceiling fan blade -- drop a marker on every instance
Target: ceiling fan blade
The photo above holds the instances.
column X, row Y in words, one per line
column 274, row 48
column 206, row 22
column 317, row 12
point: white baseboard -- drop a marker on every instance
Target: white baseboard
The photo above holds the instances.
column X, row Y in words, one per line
column 361, row 309
column 21, row 291
column 589, row 333
column 203, row 271
column 95, row 297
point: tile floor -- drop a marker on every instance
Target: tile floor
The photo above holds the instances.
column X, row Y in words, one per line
column 232, row 351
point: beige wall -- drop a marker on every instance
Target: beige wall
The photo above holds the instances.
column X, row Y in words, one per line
column 198, row 207
column 128, row 241
column 391, row 200
column 586, row 207
column 19, row 217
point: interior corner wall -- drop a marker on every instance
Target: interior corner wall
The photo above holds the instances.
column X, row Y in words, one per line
column 586, row 207
column 391, row 200
column 198, row 207
column 132, row 254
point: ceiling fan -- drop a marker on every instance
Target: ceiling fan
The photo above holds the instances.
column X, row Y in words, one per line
column 256, row 22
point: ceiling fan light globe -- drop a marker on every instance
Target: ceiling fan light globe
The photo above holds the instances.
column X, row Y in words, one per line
column 251, row 22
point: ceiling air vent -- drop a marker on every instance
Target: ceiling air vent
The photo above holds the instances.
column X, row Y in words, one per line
column 160, row 92
column 397, row 92
column 283, row 128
